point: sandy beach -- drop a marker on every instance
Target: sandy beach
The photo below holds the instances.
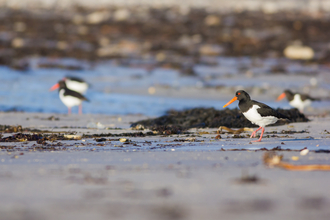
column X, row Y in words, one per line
column 159, row 59
column 191, row 176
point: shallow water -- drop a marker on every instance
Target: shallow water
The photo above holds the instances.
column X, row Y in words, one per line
column 29, row 91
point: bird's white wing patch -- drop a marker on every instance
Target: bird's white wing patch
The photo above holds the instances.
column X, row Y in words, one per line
column 80, row 87
column 253, row 116
column 298, row 103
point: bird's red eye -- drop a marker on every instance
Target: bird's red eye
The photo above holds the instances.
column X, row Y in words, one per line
column 238, row 93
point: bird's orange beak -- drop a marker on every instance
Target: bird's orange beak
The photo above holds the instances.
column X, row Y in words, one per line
column 280, row 97
column 231, row 101
column 56, row 86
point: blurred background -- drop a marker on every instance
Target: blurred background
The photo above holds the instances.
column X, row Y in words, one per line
column 146, row 57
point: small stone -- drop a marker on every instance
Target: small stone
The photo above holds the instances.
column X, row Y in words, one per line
column 100, row 139
column 304, row 152
column 295, row 158
column 191, row 139
column 299, row 52
column 72, row 136
column 123, row 140
column 151, row 90
column 212, row 20
column 17, row 42
column 19, row 26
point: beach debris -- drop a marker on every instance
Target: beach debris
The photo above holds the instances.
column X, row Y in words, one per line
column 20, row 137
column 123, row 140
column 272, row 159
column 51, row 118
column 192, row 139
column 72, row 136
column 203, row 132
column 100, row 139
column 231, row 33
column 11, row 129
column 212, row 20
column 151, row 90
column 238, row 131
column 246, row 178
column 164, row 192
column 295, row 158
column 167, row 129
column 138, row 127
column 298, row 52
column 96, row 125
column 304, row 152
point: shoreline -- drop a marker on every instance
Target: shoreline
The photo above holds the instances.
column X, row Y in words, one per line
column 158, row 177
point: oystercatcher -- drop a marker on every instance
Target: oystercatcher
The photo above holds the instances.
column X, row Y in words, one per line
column 256, row 112
column 69, row 97
column 75, row 84
column 297, row 100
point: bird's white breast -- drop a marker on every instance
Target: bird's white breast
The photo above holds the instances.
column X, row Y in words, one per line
column 298, row 103
column 69, row 101
column 253, row 116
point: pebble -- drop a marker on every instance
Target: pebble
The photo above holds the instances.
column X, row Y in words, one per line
column 72, row 136
column 295, row 158
column 298, row 52
column 304, row 152
column 151, row 90
column 123, row 140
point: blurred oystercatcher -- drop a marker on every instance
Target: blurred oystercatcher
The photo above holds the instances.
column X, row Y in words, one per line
column 69, row 97
column 74, row 84
column 297, row 100
column 256, row 112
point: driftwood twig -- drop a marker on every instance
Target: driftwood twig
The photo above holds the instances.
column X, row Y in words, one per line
column 274, row 160
column 238, row 131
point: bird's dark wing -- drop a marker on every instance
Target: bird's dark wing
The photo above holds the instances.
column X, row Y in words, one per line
column 265, row 110
column 75, row 78
column 305, row 96
column 75, row 94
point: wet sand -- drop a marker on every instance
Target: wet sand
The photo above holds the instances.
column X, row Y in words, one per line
column 190, row 176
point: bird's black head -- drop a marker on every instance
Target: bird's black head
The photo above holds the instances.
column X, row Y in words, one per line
column 242, row 95
column 288, row 93
column 62, row 84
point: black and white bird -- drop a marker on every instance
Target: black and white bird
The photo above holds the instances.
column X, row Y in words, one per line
column 297, row 100
column 69, row 97
column 256, row 112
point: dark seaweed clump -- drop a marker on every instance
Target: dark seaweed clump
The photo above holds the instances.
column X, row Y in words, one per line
column 211, row 118
column 40, row 138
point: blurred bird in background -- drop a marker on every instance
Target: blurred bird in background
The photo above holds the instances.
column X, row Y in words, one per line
column 71, row 90
column 297, row 100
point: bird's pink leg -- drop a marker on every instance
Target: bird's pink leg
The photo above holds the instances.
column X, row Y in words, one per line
column 262, row 132
column 69, row 111
column 255, row 132
column 80, row 109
